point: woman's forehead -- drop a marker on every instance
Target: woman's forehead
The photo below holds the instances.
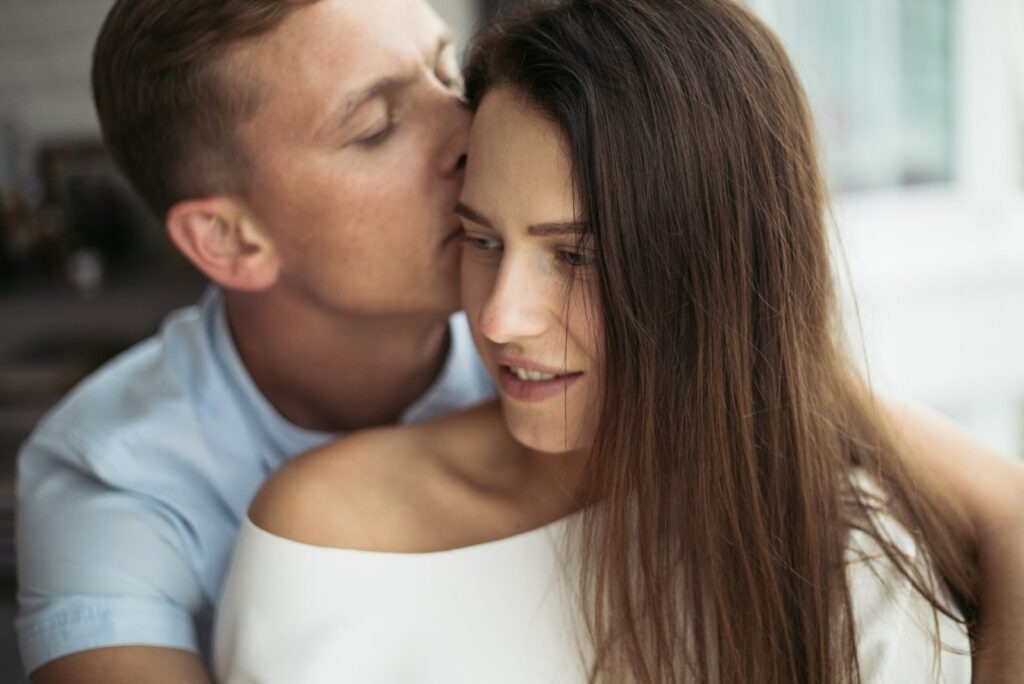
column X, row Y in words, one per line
column 518, row 168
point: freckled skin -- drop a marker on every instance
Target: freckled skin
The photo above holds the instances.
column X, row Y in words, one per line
column 359, row 226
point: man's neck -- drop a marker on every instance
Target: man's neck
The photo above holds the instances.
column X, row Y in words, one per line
column 334, row 373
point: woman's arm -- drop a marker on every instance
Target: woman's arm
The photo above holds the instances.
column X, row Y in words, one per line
column 989, row 487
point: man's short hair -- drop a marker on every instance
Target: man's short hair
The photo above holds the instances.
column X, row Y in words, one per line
column 167, row 103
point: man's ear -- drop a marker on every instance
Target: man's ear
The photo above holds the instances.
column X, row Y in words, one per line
column 218, row 235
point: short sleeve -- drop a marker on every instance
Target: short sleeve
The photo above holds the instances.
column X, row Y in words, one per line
column 98, row 565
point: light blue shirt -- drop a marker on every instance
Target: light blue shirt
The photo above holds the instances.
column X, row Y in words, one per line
column 131, row 492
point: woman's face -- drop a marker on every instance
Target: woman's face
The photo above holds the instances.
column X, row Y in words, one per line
column 528, row 284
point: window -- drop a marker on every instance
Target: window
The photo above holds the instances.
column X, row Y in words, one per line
column 880, row 79
column 910, row 92
column 920, row 108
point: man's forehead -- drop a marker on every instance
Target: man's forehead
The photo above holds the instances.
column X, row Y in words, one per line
column 384, row 23
column 342, row 43
column 326, row 53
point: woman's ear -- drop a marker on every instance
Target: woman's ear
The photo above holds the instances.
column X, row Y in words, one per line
column 218, row 235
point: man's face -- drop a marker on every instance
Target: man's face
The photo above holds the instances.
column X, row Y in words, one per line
column 356, row 152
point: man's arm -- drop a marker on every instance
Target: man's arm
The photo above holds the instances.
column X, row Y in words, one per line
column 102, row 571
column 124, row 665
column 990, row 489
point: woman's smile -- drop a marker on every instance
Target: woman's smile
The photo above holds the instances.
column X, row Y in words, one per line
column 522, row 384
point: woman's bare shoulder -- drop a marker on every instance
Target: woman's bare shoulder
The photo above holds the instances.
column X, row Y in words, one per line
column 368, row 490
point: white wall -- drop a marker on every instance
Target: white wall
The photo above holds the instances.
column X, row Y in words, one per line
column 939, row 282
column 461, row 15
column 940, row 272
column 45, row 52
column 45, row 56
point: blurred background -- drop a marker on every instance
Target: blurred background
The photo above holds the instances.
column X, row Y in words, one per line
column 920, row 110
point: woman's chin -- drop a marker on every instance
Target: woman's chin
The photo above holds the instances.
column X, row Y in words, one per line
column 548, row 439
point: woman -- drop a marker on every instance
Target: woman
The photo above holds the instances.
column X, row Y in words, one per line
column 683, row 479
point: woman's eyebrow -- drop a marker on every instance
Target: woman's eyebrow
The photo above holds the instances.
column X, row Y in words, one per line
column 554, row 228
column 465, row 211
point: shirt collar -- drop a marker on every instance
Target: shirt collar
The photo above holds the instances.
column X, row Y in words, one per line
column 462, row 381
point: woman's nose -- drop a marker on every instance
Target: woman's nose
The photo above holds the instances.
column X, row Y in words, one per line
column 515, row 309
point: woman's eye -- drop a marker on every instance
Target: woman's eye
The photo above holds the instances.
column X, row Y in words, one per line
column 575, row 259
column 482, row 244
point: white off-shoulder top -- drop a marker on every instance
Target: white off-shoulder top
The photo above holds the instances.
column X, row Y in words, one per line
column 292, row 613
column 494, row 613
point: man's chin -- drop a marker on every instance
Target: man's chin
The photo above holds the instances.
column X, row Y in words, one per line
column 447, row 302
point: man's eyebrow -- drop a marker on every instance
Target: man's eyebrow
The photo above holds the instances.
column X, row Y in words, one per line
column 358, row 98
column 388, row 84
column 539, row 230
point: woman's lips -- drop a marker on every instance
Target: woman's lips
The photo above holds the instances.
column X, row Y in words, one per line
column 516, row 388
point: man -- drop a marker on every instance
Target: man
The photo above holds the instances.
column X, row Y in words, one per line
column 307, row 157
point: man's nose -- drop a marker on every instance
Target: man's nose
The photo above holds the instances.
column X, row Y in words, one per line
column 455, row 118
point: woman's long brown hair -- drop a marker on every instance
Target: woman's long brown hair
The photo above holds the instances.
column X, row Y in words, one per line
column 734, row 430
